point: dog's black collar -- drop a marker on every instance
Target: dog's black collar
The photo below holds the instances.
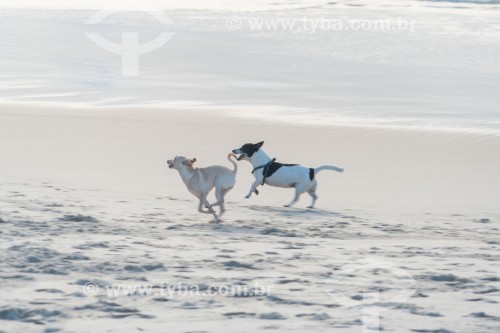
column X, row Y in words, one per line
column 268, row 164
column 265, row 167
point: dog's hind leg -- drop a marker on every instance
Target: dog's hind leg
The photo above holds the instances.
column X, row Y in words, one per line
column 223, row 194
column 295, row 197
column 220, row 193
column 314, row 196
column 219, row 196
column 222, row 209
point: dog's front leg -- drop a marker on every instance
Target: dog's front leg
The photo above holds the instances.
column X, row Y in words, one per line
column 204, row 202
column 200, row 207
column 253, row 188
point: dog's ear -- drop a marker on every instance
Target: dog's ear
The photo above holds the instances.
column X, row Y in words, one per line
column 258, row 145
column 186, row 162
column 189, row 162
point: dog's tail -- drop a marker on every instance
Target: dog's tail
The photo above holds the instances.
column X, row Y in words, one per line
column 328, row 167
column 234, row 162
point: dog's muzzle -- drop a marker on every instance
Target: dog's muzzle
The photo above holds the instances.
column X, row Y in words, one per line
column 239, row 152
column 170, row 164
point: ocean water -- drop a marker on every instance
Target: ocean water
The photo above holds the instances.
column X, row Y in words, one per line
column 223, row 4
column 443, row 74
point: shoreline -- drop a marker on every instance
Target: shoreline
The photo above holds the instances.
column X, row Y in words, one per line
column 252, row 112
column 122, row 149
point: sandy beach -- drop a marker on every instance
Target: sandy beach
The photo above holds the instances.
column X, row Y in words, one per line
column 99, row 235
column 95, row 209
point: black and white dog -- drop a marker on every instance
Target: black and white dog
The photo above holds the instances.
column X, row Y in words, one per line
column 267, row 171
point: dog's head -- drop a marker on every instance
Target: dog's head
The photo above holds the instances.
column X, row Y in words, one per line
column 180, row 161
column 247, row 150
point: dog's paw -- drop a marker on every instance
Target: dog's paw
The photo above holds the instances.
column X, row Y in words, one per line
column 310, row 207
column 256, row 192
column 247, row 196
column 286, row 206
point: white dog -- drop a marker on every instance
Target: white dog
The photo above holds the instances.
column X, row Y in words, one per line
column 267, row 171
column 200, row 181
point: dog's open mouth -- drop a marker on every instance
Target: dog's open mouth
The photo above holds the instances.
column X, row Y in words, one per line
column 242, row 156
column 170, row 164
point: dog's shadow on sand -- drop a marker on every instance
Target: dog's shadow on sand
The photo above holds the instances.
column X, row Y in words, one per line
column 291, row 211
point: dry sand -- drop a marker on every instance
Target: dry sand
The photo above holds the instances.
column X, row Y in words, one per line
column 87, row 197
